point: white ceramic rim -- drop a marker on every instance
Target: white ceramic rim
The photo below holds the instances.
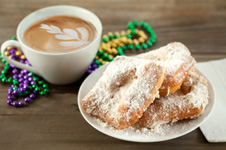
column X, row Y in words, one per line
column 20, row 39
column 101, row 69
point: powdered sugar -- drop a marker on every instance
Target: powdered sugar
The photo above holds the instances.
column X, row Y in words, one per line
column 178, row 105
column 124, row 91
column 177, row 59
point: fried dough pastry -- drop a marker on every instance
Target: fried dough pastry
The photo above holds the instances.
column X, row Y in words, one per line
column 188, row 102
column 124, row 91
column 178, row 61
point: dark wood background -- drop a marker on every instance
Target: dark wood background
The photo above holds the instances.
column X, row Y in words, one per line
column 54, row 122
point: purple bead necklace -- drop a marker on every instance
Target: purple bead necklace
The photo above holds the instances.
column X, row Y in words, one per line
column 24, row 84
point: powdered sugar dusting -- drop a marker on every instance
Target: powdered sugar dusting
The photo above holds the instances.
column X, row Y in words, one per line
column 124, row 91
column 178, row 105
column 177, row 59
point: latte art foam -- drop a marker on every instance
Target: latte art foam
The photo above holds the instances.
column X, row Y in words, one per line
column 59, row 34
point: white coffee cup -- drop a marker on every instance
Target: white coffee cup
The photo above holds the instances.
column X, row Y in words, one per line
column 56, row 68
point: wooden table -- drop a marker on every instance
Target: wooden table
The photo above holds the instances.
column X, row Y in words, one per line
column 55, row 123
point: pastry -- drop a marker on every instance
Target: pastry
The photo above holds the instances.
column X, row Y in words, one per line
column 178, row 61
column 124, row 91
column 188, row 102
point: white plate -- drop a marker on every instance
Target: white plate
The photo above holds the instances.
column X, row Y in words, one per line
column 142, row 135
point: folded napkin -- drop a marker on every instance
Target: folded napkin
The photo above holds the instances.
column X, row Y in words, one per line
column 214, row 128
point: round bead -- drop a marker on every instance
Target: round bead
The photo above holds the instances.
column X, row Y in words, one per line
column 31, row 74
column 21, row 85
column 30, row 78
column 15, row 71
column 27, row 99
column 25, row 77
column 21, row 89
column 15, row 76
column 23, row 57
column 124, row 47
column 133, row 32
column 153, row 40
column 6, row 67
column 129, row 36
column 2, row 75
column 89, row 71
column 21, row 80
column 135, row 42
column 6, row 53
column 42, row 93
column 35, row 78
column 26, row 86
column 3, row 61
column 111, row 59
column 15, row 82
column 4, row 79
column 34, row 85
column 32, row 96
column 95, row 66
column 149, row 43
column 137, row 46
column 10, row 97
column 21, row 103
column 13, row 38
column 141, row 23
column 130, row 46
column 135, row 23
column 115, row 36
column 110, row 37
column 37, row 89
column 26, row 82
column 141, row 40
column 144, row 45
column 100, row 52
column 25, row 71
column 10, row 90
column 25, row 93
column 15, row 92
column 105, row 56
column 15, row 88
column 46, row 90
column 105, row 40
column 40, row 82
column 9, row 102
column 33, row 82
column 20, row 75
column 4, row 71
column 97, row 62
column 123, row 32
column 15, row 104
column 18, row 53
column 146, row 25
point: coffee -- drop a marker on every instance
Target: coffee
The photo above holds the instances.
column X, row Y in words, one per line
column 59, row 34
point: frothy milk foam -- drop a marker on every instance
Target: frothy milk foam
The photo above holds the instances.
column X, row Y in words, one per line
column 59, row 34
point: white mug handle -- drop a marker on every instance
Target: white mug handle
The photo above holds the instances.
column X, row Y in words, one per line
column 13, row 62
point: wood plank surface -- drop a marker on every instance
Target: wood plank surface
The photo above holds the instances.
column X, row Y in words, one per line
column 55, row 123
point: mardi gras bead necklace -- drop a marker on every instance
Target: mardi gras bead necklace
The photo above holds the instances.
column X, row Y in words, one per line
column 115, row 44
column 24, row 84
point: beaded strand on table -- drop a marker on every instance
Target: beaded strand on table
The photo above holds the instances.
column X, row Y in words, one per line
column 24, row 84
column 114, row 44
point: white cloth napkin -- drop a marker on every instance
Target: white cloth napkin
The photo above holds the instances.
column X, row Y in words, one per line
column 214, row 129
